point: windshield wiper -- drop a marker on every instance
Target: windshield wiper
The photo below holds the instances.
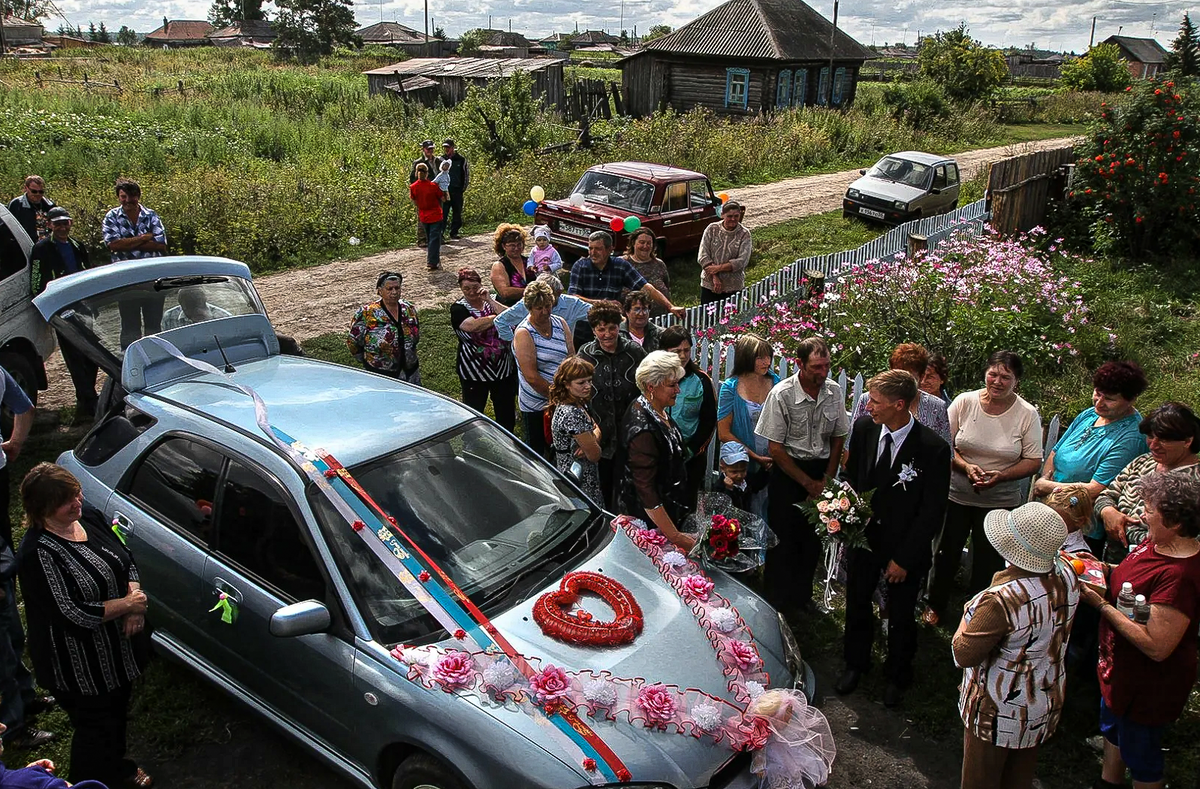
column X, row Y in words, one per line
column 554, row 558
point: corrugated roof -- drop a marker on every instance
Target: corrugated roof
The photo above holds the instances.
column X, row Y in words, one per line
column 464, row 67
column 389, row 31
column 412, row 83
column 250, row 28
column 1143, row 50
column 181, row 30
column 594, row 37
column 504, row 38
column 12, row 23
column 761, row 29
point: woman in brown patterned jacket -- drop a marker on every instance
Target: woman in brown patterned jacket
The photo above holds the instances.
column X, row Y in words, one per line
column 1011, row 645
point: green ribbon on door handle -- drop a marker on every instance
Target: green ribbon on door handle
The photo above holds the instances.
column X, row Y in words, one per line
column 227, row 607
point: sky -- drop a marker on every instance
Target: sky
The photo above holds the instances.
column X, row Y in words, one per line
column 1059, row 25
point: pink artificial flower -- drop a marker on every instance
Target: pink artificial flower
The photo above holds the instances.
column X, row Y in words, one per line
column 550, row 685
column 652, row 536
column 697, row 586
column 454, row 670
column 744, row 655
column 658, row 704
column 754, row 732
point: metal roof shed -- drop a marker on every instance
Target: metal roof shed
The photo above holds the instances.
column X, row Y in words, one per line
column 455, row 75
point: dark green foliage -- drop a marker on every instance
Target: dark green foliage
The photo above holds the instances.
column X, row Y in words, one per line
column 223, row 13
column 966, row 69
column 656, row 31
column 1101, row 69
column 470, row 42
column 504, row 116
column 919, row 103
column 1184, row 58
column 312, row 28
column 126, row 37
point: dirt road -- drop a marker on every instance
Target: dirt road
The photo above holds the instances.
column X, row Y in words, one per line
column 306, row 303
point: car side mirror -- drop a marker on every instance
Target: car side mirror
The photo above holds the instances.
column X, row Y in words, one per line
column 862, row 172
column 716, row 202
column 300, row 619
column 935, row 191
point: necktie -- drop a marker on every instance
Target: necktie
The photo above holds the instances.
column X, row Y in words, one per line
column 885, row 454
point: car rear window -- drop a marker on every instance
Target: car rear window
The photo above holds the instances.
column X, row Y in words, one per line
column 617, row 191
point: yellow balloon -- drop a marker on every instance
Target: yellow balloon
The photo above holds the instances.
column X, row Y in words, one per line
column 537, row 194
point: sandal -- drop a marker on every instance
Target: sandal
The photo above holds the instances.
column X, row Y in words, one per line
column 930, row 617
column 140, row 780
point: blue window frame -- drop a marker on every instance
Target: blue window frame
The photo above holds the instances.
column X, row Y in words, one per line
column 783, row 90
column 839, row 86
column 800, row 88
column 823, row 87
column 737, row 87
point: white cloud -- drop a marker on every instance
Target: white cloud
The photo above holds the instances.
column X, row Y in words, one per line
column 1061, row 25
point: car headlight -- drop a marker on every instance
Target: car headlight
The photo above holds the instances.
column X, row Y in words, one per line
column 791, row 649
column 900, row 205
column 853, row 194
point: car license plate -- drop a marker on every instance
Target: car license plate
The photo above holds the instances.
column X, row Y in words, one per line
column 871, row 213
column 574, row 230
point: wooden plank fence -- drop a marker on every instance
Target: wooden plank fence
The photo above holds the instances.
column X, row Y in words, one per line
column 1021, row 188
column 589, row 98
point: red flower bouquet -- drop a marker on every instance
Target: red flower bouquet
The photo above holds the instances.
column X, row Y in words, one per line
column 728, row 538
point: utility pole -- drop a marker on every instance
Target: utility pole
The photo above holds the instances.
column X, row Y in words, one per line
column 426, row 28
column 1092, row 38
column 832, row 32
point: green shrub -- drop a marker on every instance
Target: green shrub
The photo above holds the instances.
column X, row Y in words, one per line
column 919, row 103
column 1101, row 69
column 966, row 69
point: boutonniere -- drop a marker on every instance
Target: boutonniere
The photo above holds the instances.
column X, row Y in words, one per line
column 907, row 475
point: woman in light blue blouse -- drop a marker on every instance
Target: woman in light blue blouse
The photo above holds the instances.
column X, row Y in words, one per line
column 1101, row 441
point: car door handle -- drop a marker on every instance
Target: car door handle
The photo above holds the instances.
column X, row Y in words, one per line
column 221, row 586
column 122, row 524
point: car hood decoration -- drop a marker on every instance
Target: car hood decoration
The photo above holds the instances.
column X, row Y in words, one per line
column 791, row 741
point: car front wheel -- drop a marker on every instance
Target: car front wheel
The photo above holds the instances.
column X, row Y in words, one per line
column 422, row 771
column 21, row 369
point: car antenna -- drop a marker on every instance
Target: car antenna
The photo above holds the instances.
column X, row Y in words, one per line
column 228, row 367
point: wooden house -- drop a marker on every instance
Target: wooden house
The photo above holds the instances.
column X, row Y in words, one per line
column 556, row 42
column 1145, row 56
column 428, row 80
column 178, row 34
column 403, row 38
column 21, row 32
column 253, row 33
column 590, row 38
column 744, row 57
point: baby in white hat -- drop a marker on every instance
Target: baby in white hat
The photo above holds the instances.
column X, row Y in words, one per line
column 545, row 257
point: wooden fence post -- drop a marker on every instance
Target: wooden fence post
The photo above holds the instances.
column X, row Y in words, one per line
column 916, row 244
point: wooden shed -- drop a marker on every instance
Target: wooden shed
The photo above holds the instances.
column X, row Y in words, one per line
column 745, row 57
column 454, row 75
column 21, row 32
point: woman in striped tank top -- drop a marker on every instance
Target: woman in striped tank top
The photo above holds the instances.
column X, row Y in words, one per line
column 540, row 343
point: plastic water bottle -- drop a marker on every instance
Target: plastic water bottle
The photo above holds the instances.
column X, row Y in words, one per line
column 1126, row 600
column 1141, row 610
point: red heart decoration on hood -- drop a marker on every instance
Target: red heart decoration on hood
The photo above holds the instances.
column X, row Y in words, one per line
column 581, row 627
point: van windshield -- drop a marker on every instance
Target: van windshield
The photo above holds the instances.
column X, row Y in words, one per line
column 617, row 191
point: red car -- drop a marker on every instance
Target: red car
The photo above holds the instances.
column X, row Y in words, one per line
column 676, row 204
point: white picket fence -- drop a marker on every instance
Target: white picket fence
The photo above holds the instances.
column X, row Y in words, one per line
column 970, row 219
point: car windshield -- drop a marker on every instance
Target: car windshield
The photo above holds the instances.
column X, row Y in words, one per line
column 901, row 171
column 616, row 191
column 500, row 523
column 108, row 323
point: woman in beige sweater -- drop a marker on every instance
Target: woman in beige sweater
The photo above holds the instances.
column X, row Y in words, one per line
column 724, row 254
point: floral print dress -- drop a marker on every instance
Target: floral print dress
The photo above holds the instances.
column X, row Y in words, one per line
column 385, row 344
column 568, row 422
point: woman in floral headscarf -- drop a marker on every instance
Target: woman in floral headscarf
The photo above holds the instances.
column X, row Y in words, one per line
column 485, row 365
column 383, row 335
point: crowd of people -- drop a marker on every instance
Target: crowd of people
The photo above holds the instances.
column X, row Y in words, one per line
column 618, row 403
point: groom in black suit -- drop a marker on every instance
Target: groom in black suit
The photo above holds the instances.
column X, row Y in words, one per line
column 908, row 467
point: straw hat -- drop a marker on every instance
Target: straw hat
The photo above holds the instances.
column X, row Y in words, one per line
column 1028, row 537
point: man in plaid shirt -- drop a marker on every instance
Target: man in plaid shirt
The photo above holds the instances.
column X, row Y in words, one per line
column 132, row 231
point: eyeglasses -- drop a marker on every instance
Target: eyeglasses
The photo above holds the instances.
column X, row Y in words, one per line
column 37, row 191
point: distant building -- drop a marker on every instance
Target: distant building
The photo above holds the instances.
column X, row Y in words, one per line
column 403, row 38
column 254, row 33
column 429, row 80
column 1145, row 56
column 557, row 42
column 590, row 38
column 21, row 33
column 178, row 34
column 68, row 42
column 506, row 44
column 744, row 57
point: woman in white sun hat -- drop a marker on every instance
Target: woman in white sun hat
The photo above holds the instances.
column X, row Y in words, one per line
column 1011, row 645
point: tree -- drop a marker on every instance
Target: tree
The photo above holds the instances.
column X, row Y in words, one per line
column 624, row 37
column 311, row 28
column 470, row 42
column 30, row 10
column 102, row 35
column 1184, row 57
column 656, row 31
column 223, row 13
column 503, row 117
column 1135, row 187
column 126, row 37
column 966, row 69
column 439, row 33
column 91, row 31
column 1100, row 69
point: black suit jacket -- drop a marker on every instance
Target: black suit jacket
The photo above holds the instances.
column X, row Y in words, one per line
column 906, row 516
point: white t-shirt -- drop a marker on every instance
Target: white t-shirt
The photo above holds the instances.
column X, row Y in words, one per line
column 993, row 443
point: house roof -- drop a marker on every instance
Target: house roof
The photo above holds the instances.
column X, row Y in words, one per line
column 181, row 30
column 762, row 29
column 250, row 28
column 13, row 23
column 389, row 32
column 594, row 37
column 474, row 68
column 1143, row 50
column 555, row 38
column 411, row 84
column 504, row 38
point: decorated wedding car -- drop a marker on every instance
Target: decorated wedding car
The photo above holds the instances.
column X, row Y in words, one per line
column 395, row 581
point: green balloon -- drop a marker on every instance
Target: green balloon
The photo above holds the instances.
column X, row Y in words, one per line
column 632, row 223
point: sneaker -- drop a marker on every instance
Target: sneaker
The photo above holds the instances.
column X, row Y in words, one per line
column 30, row 739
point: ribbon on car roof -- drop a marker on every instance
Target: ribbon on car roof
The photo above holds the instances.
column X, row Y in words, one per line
column 440, row 596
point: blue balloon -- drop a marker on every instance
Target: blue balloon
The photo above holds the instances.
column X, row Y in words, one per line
column 529, row 207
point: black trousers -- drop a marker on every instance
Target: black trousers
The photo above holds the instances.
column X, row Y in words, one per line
column 98, row 745
column 532, row 422
column 504, row 398
column 5, row 499
column 708, row 296
column 83, row 375
column 141, row 316
column 863, row 568
column 962, row 522
column 792, row 564
column 455, row 204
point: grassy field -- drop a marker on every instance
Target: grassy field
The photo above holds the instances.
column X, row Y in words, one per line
column 283, row 165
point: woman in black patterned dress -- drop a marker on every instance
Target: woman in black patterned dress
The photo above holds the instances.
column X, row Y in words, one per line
column 83, row 600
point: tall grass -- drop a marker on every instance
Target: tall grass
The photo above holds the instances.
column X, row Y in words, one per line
column 281, row 165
